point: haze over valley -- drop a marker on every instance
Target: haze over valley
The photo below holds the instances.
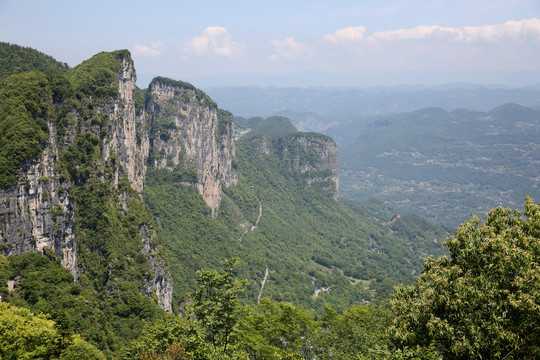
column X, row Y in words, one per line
column 472, row 149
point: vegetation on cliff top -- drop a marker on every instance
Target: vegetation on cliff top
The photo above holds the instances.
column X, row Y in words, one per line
column 204, row 99
column 97, row 76
column 15, row 59
column 272, row 126
column 24, row 106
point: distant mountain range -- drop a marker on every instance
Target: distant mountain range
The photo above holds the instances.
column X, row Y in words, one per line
column 345, row 104
column 443, row 165
column 463, row 153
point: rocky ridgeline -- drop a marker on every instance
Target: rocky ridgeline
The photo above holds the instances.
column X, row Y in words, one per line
column 190, row 131
column 172, row 126
column 313, row 156
column 38, row 212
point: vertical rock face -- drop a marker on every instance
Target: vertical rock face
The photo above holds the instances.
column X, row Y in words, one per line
column 188, row 130
column 160, row 283
column 179, row 127
column 132, row 150
column 313, row 156
column 37, row 212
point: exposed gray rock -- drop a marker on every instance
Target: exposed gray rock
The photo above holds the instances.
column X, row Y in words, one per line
column 190, row 131
column 38, row 212
column 132, row 151
column 321, row 163
column 315, row 156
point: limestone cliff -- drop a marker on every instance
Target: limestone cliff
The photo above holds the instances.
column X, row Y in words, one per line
column 132, row 150
column 37, row 212
column 188, row 130
column 102, row 133
column 90, row 143
column 310, row 157
column 124, row 153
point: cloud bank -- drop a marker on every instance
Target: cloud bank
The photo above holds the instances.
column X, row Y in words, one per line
column 511, row 45
column 526, row 29
column 214, row 40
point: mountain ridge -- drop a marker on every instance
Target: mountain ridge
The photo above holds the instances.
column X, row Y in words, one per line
column 125, row 194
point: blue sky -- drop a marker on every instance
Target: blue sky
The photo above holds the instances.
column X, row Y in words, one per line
column 303, row 43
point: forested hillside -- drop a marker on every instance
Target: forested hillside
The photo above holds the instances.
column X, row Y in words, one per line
column 15, row 59
column 287, row 224
column 134, row 226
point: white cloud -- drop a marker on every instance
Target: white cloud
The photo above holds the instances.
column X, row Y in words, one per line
column 418, row 33
column 148, row 51
column 346, row 35
column 513, row 44
column 214, row 39
column 290, row 49
column 526, row 29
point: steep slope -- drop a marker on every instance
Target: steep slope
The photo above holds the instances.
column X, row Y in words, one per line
column 190, row 132
column 283, row 219
column 306, row 231
column 69, row 190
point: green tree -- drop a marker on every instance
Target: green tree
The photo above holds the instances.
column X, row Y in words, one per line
column 64, row 328
column 484, row 301
column 215, row 304
column 355, row 334
column 4, row 275
column 172, row 337
column 24, row 335
column 278, row 330
column 81, row 350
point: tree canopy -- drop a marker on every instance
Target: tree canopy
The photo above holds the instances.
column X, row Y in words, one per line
column 484, row 301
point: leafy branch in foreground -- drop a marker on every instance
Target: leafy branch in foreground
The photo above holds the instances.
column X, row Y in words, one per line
column 215, row 303
column 484, row 301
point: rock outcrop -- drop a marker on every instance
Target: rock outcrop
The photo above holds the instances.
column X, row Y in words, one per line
column 177, row 126
column 37, row 212
column 312, row 156
column 188, row 130
column 132, row 150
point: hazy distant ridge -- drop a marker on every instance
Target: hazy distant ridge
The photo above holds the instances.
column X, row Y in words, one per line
column 257, row 101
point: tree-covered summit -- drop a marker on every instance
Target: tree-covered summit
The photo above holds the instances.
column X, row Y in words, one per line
column 16, row 59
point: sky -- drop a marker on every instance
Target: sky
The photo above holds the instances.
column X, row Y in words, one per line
column 292, row 43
